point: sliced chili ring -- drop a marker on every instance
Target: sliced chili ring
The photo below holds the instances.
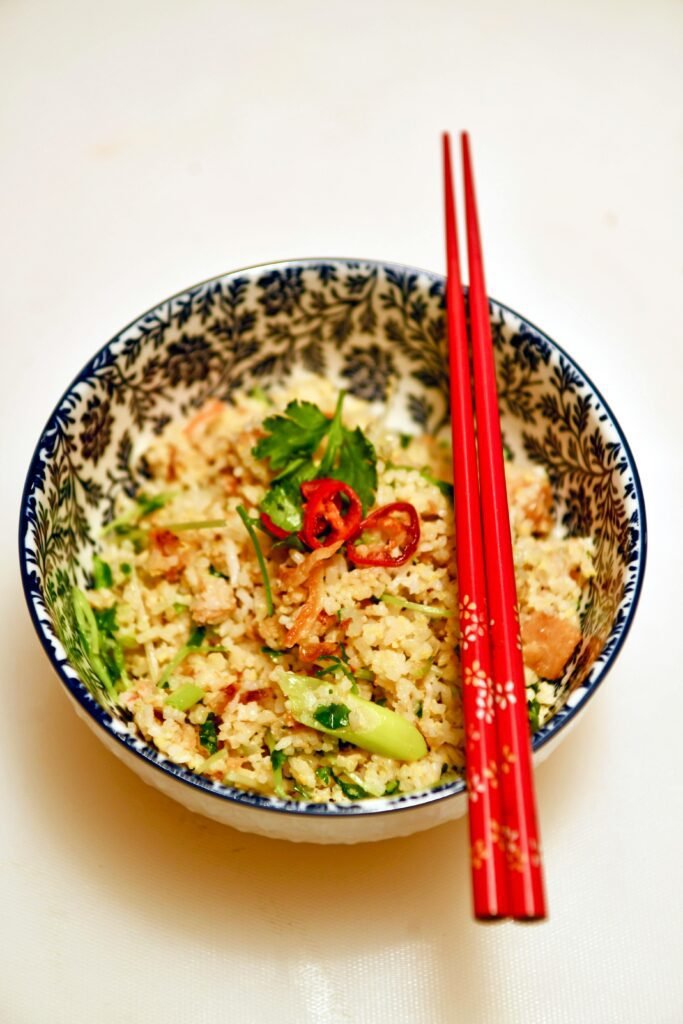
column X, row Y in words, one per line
column 273, row 529
column 401, row 534
column 326, row 519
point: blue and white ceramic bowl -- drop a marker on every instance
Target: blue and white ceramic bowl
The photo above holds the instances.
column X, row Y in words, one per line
column 365, row 325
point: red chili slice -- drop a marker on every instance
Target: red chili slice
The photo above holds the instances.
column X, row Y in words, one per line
column 272, row 528
column 327, row 519
column 396, row 533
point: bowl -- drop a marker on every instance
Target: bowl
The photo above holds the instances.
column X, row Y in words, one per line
column 378, row 330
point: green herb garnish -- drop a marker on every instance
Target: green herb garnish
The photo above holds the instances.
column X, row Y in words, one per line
column 404, row 440
column 352, row 790
column 392, row 787
column 144, row 506
column 323, row 773
column 290, row 445
column 208, row 735
column 213, row 571
column 101, row 573
column 277, row 760
column 97, row 629
column 126, row 568
column 332, row 716
column 432, row 611
column 185, row 697
column 272, row 652
column 249, row 527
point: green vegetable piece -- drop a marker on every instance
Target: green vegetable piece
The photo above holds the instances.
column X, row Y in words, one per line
column 179, row 607
column 293, row 440
column 126, row 568
column 323, row 773
column 332, row 716
column 392, row 787
column 404, row 440
column 208, row 736
column 432, row 611
column 352, row 790
column 213, row 571
column 272, row 652
column 102, row 575
column 296, row 434
column 103, row 653
column 370, row 727
column 277, row 760
column 419, row 709
column 185, row 697
column 248, row 525
column 196, row 637
column 85, row 621
column 106, row 619
column 144, row 506
column 366, row 675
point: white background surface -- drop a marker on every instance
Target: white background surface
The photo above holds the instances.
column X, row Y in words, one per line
column 144, row 146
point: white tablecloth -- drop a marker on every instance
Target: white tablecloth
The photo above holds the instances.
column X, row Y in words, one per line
column 145, row 146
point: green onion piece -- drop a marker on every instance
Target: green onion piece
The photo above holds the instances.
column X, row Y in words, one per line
column 366, row 675
column 126, row 568
column 213, row 571
column 244, row 516
column 419, row 709
column 185, row 697
column 371, row 726
column 433, row 611
column 101, row 573
column 179, row 607
column 392, row 787
column 405, row 439
column 272, row 652
column 323, row 773
column 86, row 622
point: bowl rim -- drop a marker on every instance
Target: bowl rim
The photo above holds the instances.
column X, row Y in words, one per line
column 380, row 805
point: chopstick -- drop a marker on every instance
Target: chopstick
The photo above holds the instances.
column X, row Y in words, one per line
column 522, row 841
column 505, row 851
column 488, row 865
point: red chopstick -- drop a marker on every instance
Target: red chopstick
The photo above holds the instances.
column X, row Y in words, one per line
column 522, row 841
column 489, row 889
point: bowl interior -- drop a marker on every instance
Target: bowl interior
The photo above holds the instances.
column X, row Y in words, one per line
column 378, row 331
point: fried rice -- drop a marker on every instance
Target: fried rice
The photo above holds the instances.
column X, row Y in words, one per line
column 241, row 730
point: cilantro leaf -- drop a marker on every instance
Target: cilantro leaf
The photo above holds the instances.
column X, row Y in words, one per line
column 284, row 508
column 357, row 466
column 298, row 433
column 332, row 716
column 292, row 441
column 102, row 575
column 208, row 736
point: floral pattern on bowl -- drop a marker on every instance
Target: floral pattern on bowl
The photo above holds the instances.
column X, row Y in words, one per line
column 377, row 330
